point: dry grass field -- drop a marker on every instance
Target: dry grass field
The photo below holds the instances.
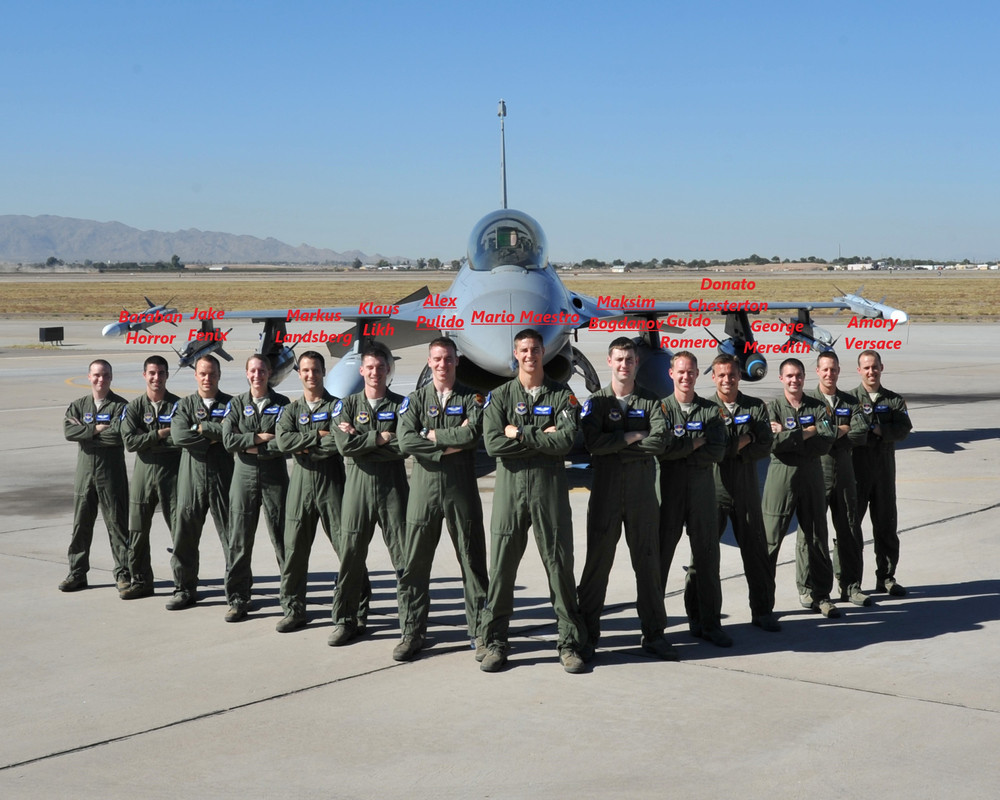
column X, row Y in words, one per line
column 927, row 297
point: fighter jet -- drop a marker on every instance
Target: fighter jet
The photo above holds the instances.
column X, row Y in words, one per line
column 132, row 323
column 506, row 284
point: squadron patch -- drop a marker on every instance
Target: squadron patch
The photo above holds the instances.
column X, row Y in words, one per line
column 573, row 401
column 362, row 418
column 480, row 400
column 88, row 418
column 521, row 408
column 726, row 419
column 586, row 409
column 433, row 410
column 790, row 423
column 867, row 408
column 679, row 429
column 248, row 410
column 304, row 419
column 338, row 408
column 615, row 415
column 404, row 405
column 201, row 413
column 148, row 418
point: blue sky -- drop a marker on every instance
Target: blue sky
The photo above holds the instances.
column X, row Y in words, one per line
column 636, row 131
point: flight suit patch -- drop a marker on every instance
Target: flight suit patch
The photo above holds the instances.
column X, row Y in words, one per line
column 790, row 422
column 521, row 408
column 739, row 419
column 679, row 429
column 807, row 419
column 454, row 411
column 695, row 425
column 88, row 418
column 637, row 413
column 386, row 415
column 201, row 413
column 148, row 418
column 615, row 415
column 362, row 418
column 433, row 410
column 586, row 409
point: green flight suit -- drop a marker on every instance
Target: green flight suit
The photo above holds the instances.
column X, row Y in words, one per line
column 737, row 491
column 875, row 470
column 375, row 492
column 687, row 500
column 203, row 482
column 101, row 479
column 259, row 479
column 154, row 477
column 623, row 492
column 841, row 490
column 531, row 490
column 795, row 485
column 443, row 488
column 315, row 492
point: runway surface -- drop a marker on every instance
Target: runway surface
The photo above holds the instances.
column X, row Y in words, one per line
column 105, row 698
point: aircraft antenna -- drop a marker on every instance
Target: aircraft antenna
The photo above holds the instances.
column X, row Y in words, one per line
column 502, row 112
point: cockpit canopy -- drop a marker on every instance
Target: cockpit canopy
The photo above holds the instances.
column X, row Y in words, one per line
column 507, row 237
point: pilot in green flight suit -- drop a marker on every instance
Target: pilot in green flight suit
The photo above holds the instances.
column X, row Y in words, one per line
column 101, row 479
column 146, row 432
column 375, row 491
column 795, row 485
column 888, row 422
column 260, row 478
column 529, row 424
column 696, row 443
column 737, row 489
column 316, row 486
column 203, row 482
column 624, row 430
column 838, row 476
column 440, row 425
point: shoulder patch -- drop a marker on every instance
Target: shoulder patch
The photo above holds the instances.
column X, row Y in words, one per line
column 404, row 405
column 586, row 409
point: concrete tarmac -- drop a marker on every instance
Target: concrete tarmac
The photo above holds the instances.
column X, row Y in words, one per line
column 106, row 698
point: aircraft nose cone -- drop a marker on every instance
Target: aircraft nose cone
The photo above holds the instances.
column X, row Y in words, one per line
column 493, row 319
column 900, row 316
column 112, row 329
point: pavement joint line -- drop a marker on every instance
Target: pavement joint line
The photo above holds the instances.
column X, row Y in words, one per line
column 893, row 695
column 194, row 718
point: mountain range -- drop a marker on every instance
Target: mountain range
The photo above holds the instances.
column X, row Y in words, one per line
column 25, row 240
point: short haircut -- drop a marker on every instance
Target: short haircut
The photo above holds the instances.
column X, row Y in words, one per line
column 159, row 361
column 875, row 353
column 259, row 357
column 443, row 341
column 312, row 355
column 793, row 362
column 623, row 343
column 376, row 350
column 103, row 363
column 684, row 354
column 828, row 354
column 211, row 360
column 528, row 333
column 725, row 358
